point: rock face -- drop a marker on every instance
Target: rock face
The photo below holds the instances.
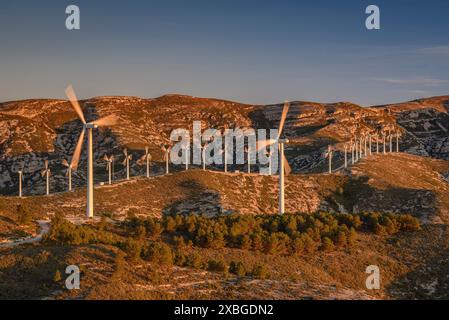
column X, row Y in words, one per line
column 33, row 131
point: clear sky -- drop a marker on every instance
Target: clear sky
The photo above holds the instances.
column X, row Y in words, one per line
column 251, row 51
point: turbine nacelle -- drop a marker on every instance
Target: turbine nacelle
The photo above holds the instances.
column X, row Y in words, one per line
column 91, row 125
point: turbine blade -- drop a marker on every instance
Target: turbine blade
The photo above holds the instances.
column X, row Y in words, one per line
column 77, row 152
column 265, row 143
column 287, row 167
column 106, row 121
column 283, row 117
column 65, row 163
column 70, row 93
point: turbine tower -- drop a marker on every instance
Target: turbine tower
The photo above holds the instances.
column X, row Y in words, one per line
column 46, row 172
column 147, row 158
column 87, row 127
column 329, row 155
column 346, row 155
column 203, row 155
column 397, row 140
column 109, row 162
column 166, row 150
column 20, row 173
column 68, row 173
column 128, row 157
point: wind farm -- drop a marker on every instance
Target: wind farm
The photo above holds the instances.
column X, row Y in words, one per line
column 370, row 156
column 224, row 151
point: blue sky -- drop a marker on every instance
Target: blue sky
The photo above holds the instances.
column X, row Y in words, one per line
column 247, row 50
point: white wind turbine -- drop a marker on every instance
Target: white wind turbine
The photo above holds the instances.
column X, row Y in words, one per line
column 203, row 155
column 346, row 155
column 109, row 164
column 269, row 154
column 284, row 167
column 128, row 158
column 329, row 155
column 147, row 158
column 68, row 173
column 87, row 127
column 20, row 173
column 225, row 151
column 397, row 140
column 248, row 156
column 187, row 159
column 377, row 141
column 166, row 150
column 46, row 172
column 352, row 151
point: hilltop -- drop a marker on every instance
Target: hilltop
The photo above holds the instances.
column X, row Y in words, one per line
column 33, row 131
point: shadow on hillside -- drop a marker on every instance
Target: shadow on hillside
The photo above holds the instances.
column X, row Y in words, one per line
column 197, row 199
column 357, row 195
column 27, row 272
column 430, row 279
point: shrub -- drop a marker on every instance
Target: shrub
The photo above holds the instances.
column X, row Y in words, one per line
column 133, row 249
column 340, row 239
column 327, row 244
column 217, row 266
column 179, row 242
column 159, row 252
column 237, row 268
column 194, row 261
column 409, row 223
column 57, row 278
column 260, row 271
column 154, row 228
column 25, row 216
column 119, row 263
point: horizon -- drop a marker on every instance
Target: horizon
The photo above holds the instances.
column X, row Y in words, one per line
column 247, row 52
column 81, row 99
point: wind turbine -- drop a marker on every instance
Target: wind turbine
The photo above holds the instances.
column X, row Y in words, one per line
column 352, row 151
column 377, row 142
column 365, row 141
column 46, row 172
column 384, row 142
column 87, row 127
column 346, row 155
column 248, row 156
column 125, row 162
column 109, row 162
column 370, row 144
column 397, row 140
column 390, row 136
column 225, row 151
column 147, row 158
column 20, row 173
column 269, row 154
column 166, row 150
column 68, row 173
column 329, row 155
column 187, row 151
column 203, row 155
column 284, row 167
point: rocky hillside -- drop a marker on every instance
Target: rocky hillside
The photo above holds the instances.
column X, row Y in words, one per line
column 33, row 131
